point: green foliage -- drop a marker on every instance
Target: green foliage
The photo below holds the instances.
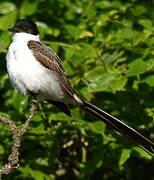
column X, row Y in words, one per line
column 106, row 47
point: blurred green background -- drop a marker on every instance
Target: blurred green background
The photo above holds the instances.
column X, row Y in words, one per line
column 107, row 50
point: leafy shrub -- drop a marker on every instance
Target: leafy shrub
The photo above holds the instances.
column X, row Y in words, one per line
column 106, row 47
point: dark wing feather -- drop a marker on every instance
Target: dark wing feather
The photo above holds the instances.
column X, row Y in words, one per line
column 45, row 56
column 63, row 107
column 50, row 60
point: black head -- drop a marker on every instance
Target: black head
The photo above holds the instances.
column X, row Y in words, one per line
column 25, row 25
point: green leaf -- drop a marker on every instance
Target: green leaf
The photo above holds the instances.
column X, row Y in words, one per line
column 73, row 31
column 19, row 101
column 37, row 118
column 102, row 83
column 4, row 40
column 99, row 80
column 143, row 153
column 149, row 80
column 88, row 51
column 69, row 51
column 125, row 154
column 35, row 174
column 109, row 58
column 28, row 8
column 119, row 83
column 139, row 10
column 146, row 23
column 90, row 10
column 59, row 116
column 5, row 115
column 103, row 4
column 86, row 34
column 97, row 127
column 77, row 59
column 45, row 29
column 3, row 80
column 125, row 33
column 6, row 7
column 86, row 93
column 94, row 74
column 68, row 68
column 136, row 67
column 5, row 20
column 2, row 150
column 39, row 129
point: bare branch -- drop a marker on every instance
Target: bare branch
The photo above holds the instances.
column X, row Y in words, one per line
column 17, row 133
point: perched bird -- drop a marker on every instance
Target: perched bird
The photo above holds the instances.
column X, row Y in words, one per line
column 35, row 70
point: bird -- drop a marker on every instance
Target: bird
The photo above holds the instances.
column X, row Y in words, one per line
column 35, row 70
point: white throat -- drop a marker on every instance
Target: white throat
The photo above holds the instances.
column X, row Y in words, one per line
column 25, row 37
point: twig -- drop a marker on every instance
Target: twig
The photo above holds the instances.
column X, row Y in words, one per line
column 17, row 134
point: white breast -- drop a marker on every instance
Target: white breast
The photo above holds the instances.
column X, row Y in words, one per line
column 27, row 74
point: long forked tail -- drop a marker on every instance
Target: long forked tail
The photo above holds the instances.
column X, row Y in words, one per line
column 119, row 126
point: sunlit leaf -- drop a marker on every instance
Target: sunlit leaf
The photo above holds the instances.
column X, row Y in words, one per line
column 86, row 34
column 6, row 7
column 28, row 7
column 142, row 153
column 136, row 67
column 5, row 20
column 97, row 127
column 149, row 80
column 5, row 40
column 125, row 154
column 119, row 83
column 94, row 73
column 146, row 23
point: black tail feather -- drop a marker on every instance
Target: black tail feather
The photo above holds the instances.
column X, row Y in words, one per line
column 119, row 126
column 63, row 107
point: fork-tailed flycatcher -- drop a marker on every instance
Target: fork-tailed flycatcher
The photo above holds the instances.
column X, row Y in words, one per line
column 34, row 69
